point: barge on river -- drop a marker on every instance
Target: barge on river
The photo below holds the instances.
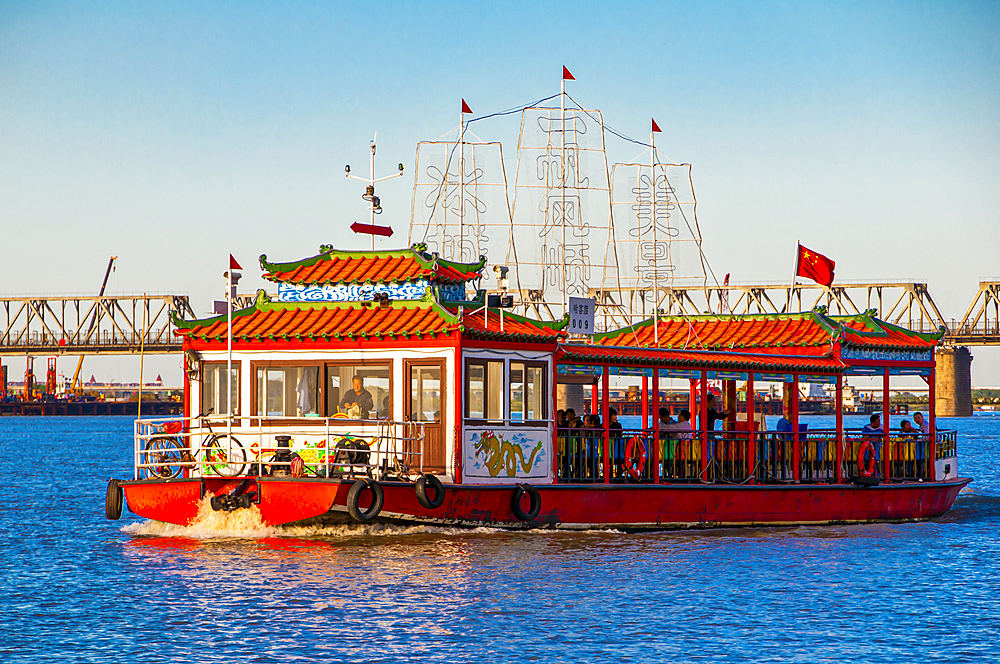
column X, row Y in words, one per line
column 393, row 386
column 414, row 408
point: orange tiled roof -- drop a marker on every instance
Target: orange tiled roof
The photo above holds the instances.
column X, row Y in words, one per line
column 482, row 325
column 331, row 266
column 341, row 320
column 724, row 332
column 870, row 332
column 810, row 332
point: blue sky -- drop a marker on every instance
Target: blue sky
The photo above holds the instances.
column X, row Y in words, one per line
column 173, row 134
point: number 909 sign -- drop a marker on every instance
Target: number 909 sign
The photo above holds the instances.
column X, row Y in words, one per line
column 581, row 315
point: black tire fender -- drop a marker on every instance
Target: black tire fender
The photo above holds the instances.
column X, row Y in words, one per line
column 114, row 500
column 421, row 488
column 354, row 498
column 534, row 503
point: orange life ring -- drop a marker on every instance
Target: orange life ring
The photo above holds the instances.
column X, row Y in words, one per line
column 869, row 470
column 635, row 461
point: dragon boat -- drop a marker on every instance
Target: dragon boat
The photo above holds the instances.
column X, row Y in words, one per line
column 403, row 386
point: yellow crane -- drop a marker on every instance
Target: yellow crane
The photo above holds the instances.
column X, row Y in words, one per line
column 75, row 386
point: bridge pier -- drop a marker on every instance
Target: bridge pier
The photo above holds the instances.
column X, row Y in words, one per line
column 953, row 382
column 570, row 395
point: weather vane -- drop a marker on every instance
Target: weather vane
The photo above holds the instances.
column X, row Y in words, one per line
column 374, row 205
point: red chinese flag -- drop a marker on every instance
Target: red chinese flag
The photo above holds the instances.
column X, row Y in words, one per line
column 567, row 76
column 815, row 266
column 233, row 265
column 465, row 107
column 656, row 127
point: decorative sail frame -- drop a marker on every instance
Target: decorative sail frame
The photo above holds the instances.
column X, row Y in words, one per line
column 561, row 214
column 460, row 207
column 660, row 257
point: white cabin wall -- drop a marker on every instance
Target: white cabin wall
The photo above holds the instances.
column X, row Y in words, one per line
column 243, row 359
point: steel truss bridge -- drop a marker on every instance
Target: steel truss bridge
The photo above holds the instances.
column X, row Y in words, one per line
column 123, row 324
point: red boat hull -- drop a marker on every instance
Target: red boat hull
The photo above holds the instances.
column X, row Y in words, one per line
column 623, row 506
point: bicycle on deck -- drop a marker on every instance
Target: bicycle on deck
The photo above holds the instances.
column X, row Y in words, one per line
column 167, row 452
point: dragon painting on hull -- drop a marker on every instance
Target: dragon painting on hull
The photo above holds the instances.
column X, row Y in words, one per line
column 506, row 454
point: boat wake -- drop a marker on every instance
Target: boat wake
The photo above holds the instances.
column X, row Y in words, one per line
column 247, row 524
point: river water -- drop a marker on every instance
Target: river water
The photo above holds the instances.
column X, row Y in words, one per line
column 79, row 588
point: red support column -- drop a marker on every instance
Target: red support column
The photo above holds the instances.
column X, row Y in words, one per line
column 839, row 405
column 645, row 403
column 606, row 419
column 555, row 422
column 752, row 436
column 692, row 402
column 732, row 402
column 886, row 466
column 656, row 412
column 704, row 425
column 593, row 398
column 796, row 449
column 932, row 425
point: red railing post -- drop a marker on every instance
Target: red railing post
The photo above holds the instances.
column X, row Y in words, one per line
column 886, row 465
column 645, row 403
column 840, row 428
column 751, row 428
column 656, row 416
column 704, row 425
column 796, row 448
column 932, row 427
column 606, row 400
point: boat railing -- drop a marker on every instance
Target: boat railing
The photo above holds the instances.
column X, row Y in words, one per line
column 630, row 455
column 169, row 448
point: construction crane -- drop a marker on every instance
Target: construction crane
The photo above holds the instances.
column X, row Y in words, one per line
column 75, row 386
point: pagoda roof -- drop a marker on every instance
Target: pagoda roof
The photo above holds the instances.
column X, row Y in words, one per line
column 801, row 333
column 702, row 359
column 334, row 266
column 485, row 324
column 335, row 321
column 327, row 321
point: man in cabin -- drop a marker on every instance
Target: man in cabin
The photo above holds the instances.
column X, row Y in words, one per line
column 922, row 424
column 358, row 396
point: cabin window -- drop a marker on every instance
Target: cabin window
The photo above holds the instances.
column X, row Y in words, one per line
column 361, row 391
column 527, row 387
column 288, row 391
column 484, row 390
column 213, row 388
column 425, row 393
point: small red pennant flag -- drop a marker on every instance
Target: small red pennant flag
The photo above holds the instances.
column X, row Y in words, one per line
column 233, row 265
column 465, row 107
column 567, row 76
column 656, row 127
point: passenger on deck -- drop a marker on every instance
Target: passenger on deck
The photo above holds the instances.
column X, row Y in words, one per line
column 561, row 418
column 922, row 424
column 906, row 427
column 874, row 429
column 615, row 425
column 665, row 420
column 714, row 415
column 874, row 425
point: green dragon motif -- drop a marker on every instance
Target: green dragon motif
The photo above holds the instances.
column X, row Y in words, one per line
column 502, row 455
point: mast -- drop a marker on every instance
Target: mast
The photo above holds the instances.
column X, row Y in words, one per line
column 562, row 186
column 656, row 274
